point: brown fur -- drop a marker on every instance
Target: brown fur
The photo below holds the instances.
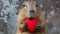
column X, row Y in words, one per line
column 23, row 15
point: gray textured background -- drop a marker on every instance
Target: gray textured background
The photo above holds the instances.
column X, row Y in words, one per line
column 9, row 10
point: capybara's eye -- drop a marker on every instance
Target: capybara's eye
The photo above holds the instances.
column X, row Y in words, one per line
column 36, row 5
column 24, row 6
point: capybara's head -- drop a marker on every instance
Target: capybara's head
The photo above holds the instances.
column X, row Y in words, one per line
column 30, row 9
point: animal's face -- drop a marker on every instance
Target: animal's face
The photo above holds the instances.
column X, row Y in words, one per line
column 31, row 9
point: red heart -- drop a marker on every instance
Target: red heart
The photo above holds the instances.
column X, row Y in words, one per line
column 31, row 24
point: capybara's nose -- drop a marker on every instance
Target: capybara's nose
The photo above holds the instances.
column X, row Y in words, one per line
column 32, row 11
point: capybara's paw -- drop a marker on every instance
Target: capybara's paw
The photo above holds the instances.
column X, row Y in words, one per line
column 38, row 26
column 24, row 25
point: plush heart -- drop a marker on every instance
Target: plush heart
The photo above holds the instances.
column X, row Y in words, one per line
column 31, row 24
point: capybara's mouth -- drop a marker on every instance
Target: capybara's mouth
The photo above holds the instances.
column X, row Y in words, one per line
column 31, row 18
